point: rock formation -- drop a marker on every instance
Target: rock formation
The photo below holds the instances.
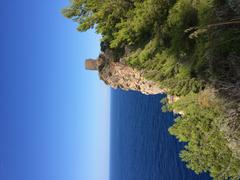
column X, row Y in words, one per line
column 119, row 75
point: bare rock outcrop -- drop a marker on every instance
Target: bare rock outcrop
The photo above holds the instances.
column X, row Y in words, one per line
column 118, row 75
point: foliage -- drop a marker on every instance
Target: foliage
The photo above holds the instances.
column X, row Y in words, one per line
column 207, row 149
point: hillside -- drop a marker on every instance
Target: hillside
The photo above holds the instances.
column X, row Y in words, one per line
column 191, row 49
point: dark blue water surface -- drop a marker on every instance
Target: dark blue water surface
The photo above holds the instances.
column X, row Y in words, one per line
column 141, row 147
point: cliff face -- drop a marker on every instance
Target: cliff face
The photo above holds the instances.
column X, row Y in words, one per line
column 118, row 75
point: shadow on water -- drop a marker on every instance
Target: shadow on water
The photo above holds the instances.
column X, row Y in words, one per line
column 141, row 147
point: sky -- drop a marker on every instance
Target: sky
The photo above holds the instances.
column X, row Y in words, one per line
column 54, row 115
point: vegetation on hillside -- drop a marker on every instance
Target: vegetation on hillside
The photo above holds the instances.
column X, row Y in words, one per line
column 192, row 48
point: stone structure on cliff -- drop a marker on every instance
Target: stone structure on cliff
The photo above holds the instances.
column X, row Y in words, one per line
column 119, row 75
column 91, row 64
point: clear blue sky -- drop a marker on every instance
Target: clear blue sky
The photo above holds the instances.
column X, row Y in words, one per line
column 54, row 115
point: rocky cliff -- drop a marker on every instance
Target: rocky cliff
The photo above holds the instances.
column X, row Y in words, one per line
column 119, row 75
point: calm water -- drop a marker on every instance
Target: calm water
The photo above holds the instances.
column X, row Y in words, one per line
column 141, row 147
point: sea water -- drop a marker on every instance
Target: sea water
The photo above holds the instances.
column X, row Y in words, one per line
column 141, row 146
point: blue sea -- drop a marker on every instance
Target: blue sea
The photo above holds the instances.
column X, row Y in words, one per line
column 141, row 147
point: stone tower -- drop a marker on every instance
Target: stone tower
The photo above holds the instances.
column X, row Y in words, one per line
column 91, row 64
